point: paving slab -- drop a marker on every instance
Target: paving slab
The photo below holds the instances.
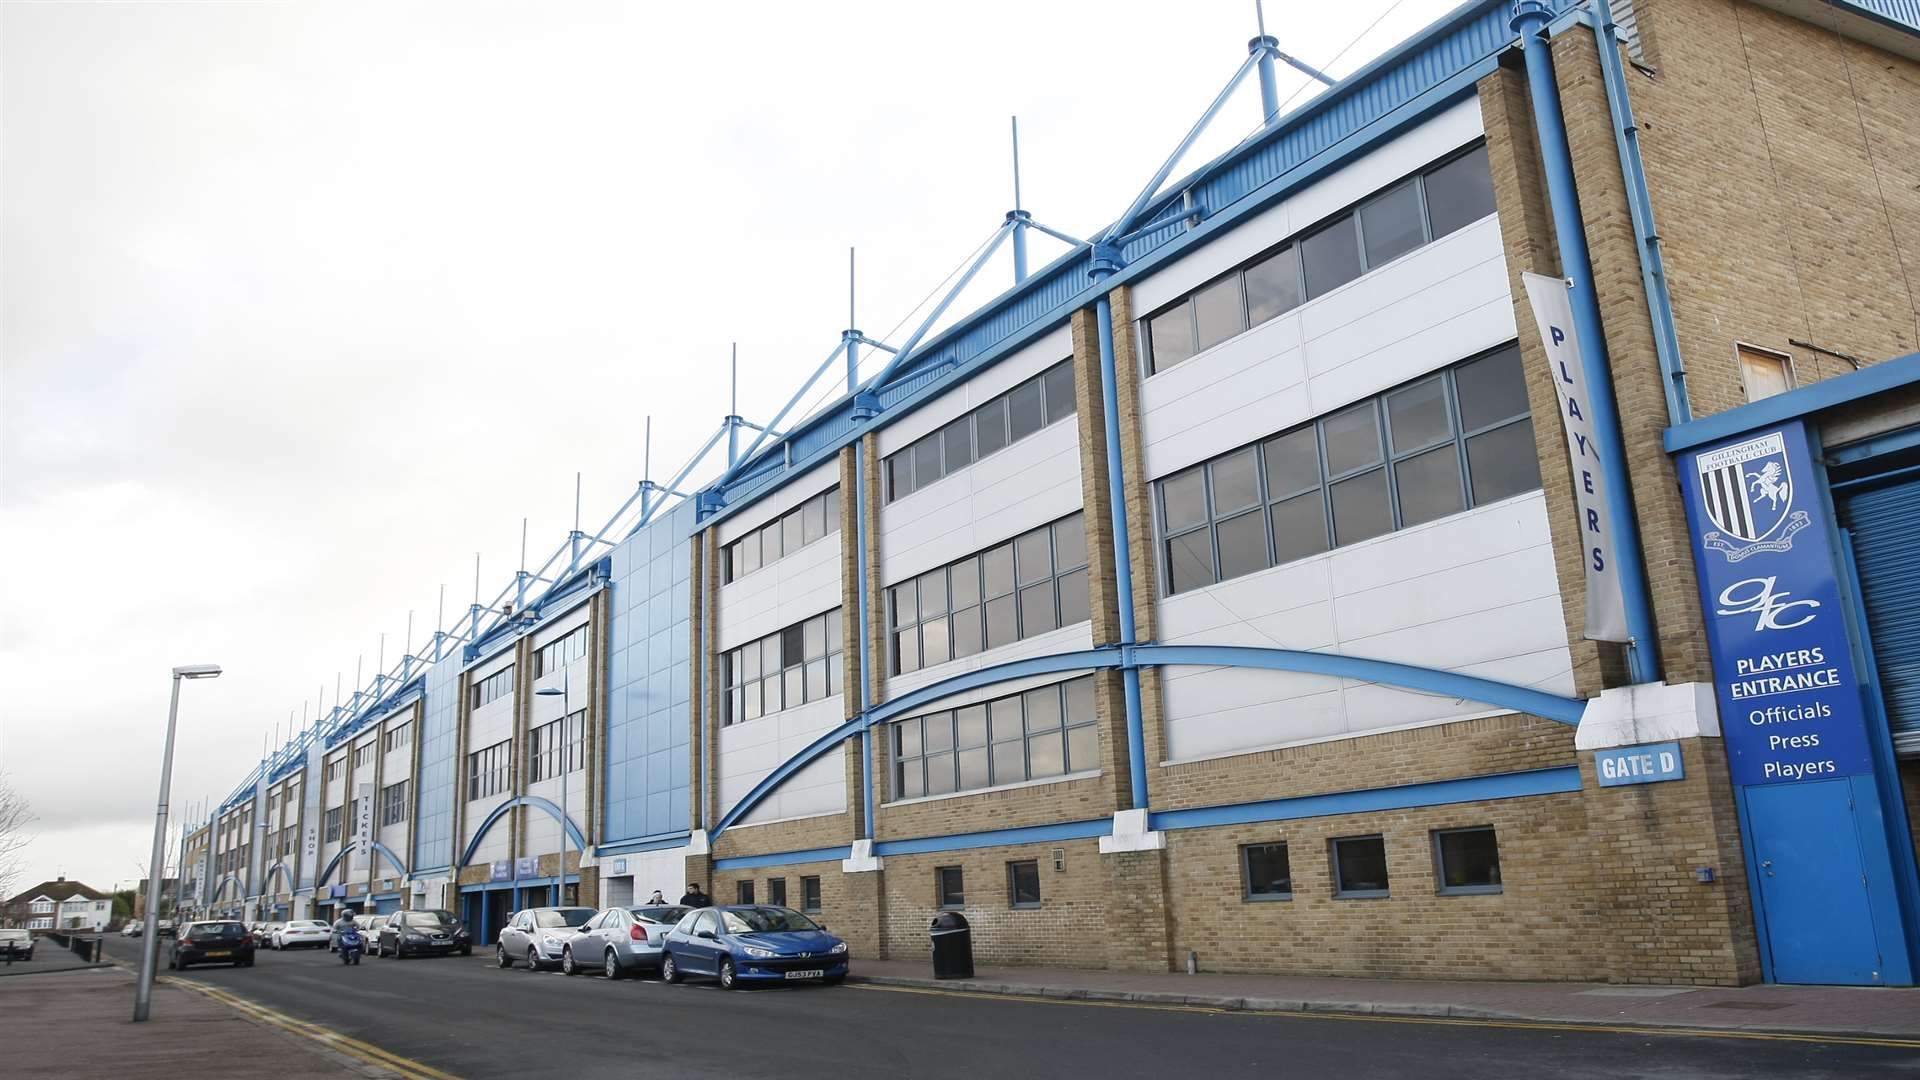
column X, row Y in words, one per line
column 1890, row 1011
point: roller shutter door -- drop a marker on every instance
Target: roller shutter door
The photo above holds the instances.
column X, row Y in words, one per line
column 1885, row 523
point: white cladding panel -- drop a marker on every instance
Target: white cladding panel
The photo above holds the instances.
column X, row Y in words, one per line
column 1030, row 483
column 1436, row 305
column 1056, row 345
column 665, row 870
column 778, row 502
column 772, row 598
column 1075, row 638
column 1475, row 592
column 495, row 846
column 543, row 832
column 750, row 750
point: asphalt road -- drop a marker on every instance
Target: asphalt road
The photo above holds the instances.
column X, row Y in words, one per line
column 466, row 1017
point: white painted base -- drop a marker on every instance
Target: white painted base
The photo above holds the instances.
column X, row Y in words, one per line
column 1649, row 712
column 863, row 860
column 1130, row 833
column 697, row 843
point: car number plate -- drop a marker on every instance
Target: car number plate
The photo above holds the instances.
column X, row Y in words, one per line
column 217, row 952
column 805, row 974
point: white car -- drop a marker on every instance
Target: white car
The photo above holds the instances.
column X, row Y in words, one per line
column 301, row 933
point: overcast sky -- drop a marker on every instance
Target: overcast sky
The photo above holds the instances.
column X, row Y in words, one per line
column 304, row 304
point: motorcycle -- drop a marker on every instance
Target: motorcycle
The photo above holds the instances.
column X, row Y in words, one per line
column 352, row 944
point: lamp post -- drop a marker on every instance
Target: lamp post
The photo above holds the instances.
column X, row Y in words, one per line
column 566, row 762
column 150, row 944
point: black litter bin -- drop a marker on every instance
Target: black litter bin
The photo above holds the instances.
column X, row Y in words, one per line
column 952, row 946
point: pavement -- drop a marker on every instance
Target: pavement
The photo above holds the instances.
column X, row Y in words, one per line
column 46, row 957
column 68, row 1023
column 1891, row 1011
column 464, row 1017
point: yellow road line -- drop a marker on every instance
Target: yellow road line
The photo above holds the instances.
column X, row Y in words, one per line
column 363, row 1051
column 1441, row 1021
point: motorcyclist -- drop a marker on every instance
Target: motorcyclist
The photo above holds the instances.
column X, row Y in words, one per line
column 344, row 925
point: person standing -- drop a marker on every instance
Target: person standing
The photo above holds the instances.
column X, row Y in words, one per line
column 695, row 898
column 657, row 898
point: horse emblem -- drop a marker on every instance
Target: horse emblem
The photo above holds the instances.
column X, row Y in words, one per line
column 1746, row 491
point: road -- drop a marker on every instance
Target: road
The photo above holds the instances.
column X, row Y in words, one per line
column 472, row 1020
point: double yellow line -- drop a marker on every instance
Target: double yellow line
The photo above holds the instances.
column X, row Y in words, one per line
column 332, row 1040
column 1441, row 1021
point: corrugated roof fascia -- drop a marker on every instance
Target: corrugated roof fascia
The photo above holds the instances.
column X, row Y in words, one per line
column 1479, row 28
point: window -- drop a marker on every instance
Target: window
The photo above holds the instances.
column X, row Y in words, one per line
column 780, row 671
column 1023, row 884
column 364, row 753
column 1032, row 584
column 393, row 804
column 43, row 907
column 1406, row 215
column 810, row 894
column 811, row 520
column 399, row 735
column 1467, row 860
column 746, row 892
column 548, row 750
column 1359, row 867
column 777, row 891
column 336, row 766
column 493, row 687
column 1044, row 732
column 1042, row 400
column 1764, row 372
column 487, row 769
column 950, row 889
column 1268, row 874
column 560, row 652
column 332, row 833
column 1460, row 437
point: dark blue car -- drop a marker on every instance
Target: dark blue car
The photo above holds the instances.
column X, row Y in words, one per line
column 752, row 943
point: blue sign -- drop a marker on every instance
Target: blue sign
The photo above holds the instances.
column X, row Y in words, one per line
column 1790, row 704
column 619, row 866
column 500, row 870
column 526, row 866
column 1639, row 764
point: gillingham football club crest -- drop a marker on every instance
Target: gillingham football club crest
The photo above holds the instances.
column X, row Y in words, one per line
column 1747, row 492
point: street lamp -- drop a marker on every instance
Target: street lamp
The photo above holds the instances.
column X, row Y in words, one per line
column 150, row 939
column 566, row 762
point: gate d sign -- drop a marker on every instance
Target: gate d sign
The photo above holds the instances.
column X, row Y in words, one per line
column 1639, row 764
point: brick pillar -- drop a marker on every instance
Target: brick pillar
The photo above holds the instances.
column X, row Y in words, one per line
column 867, row 889
column 696, row 665
column 707, row 714
column 1137, row 932
column 1139, row 497
column 862, row 918
column 1097, row 500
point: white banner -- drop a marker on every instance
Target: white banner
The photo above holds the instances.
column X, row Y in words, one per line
column 1606, row 610
column 363, row 823
column 312, row 786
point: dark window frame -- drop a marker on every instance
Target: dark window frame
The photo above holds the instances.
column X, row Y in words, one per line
column 744, row 889
column 494, row 687
column 490, row 770
column 942, row 892
column 544, row 750
column 1333, row 854
column 901, row 465
column 561, row 651
column 1297, row 241
column 777, row 891
column 393, row 804
column 810, row 893
column 738, row 689
column 951, row 754
column 1247, row 892
column 1065, row 568
column 1440, row 864
column 1388, row 462
column 1014, row 869
column 823, row 508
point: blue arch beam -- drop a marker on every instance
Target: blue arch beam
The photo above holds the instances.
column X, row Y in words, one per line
column 538, row 803
column 393, row 860
column 1452, row 684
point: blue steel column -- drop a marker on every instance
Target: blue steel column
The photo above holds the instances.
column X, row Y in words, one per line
column 1529, row 21
column 1106, row 259
column 1263, row 47
column 866, row 659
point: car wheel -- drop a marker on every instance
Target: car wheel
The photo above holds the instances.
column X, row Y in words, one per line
column 669, row 971
column 500, row 956
column 729, row 978
column 533, row 958
column 611, row 965
column 566, row 961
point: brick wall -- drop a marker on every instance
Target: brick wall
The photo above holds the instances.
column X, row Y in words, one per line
column 1069, row 929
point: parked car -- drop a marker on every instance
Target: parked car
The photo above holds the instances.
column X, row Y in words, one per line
column 301, row 933
column 164, row 928
column 621, row 939
column 17, row 944
column 133, row 928
column 431, row 932
column 752, row 943
column 222, row 942
column 263, row 932
column 539, row 935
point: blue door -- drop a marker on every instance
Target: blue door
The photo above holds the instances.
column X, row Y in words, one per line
column 1813, row 891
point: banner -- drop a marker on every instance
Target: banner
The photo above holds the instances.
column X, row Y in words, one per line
column 363, row 821
column 1790, row 700
column 1606, row 609
column 312, row 786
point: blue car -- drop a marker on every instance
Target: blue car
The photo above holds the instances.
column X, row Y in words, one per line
column 752, row 943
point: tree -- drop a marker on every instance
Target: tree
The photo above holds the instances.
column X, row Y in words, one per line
column 15, row 816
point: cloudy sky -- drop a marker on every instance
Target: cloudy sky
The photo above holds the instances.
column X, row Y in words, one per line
column 304, row 304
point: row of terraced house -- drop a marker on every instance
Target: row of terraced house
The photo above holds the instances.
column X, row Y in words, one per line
column 1274, row 582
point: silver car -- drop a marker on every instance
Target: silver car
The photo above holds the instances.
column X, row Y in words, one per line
column 620, row 939
column 539, row 935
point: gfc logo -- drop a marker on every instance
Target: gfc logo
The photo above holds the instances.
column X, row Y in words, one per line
column 1757, row 596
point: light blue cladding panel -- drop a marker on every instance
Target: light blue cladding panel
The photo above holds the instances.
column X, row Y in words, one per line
column 647, row 714
column 439, row 742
